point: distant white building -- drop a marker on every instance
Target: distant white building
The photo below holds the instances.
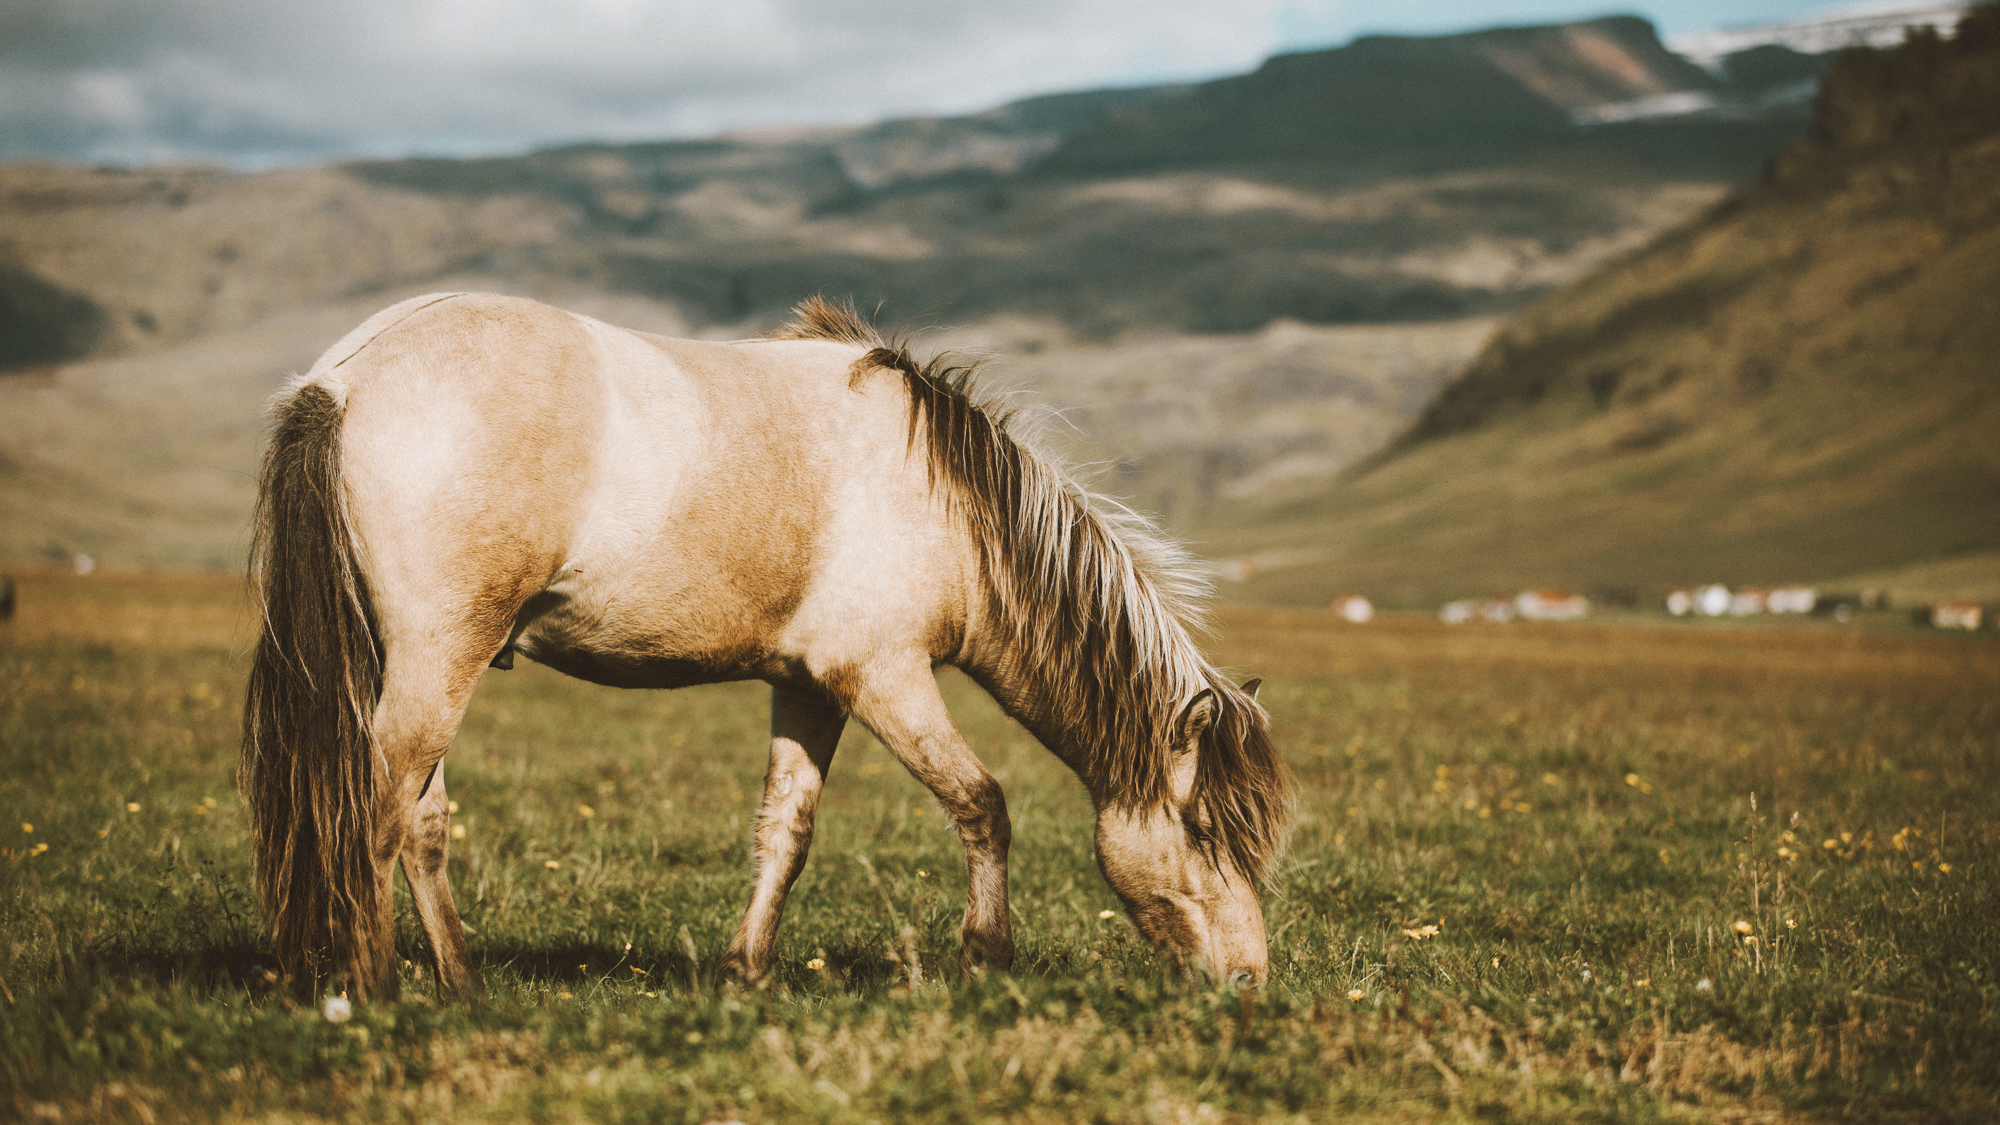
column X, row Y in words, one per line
column 1550, row 605
column 1791, row 599
column 1680, row 603
column 1354, row 608
column 1956, row 615
column 1456, row 613
column 1747, row 600
column 1712, row 600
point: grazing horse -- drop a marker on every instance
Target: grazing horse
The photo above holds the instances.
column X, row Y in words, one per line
column 468, row 477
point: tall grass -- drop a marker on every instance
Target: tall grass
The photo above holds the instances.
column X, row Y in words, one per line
column 1528, row 872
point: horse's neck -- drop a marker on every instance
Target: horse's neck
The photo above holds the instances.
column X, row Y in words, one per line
column 1019, row 681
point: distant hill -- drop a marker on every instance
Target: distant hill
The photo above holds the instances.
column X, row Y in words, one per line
column 1373, row 182
column 1801, row 385
column 1506, row 94
column 1236, row 288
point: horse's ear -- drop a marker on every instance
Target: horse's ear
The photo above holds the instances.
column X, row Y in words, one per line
column 1250, row 688
column 1196, row 718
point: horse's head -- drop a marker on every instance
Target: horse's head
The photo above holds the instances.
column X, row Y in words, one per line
column 1187, row 868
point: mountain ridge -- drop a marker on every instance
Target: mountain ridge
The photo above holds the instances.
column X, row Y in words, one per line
column 1234, row 328
column 1795, row 387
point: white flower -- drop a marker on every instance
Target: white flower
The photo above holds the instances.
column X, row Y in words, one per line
column 1702, row 985
column 337, row 1009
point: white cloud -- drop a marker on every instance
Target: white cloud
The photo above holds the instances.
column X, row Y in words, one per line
column 258, row 81
column 266, row 81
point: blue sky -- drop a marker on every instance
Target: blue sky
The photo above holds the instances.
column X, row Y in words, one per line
column 257, row 83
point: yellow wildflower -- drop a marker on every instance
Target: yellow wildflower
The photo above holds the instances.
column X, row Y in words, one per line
column 458, row 831
column 1355, row 994
column 451, row 806
column 1945, row 868
column 1104, row 916
column 1742, row 927
column 208, row 802
column 26, row 827
column 131, row 806
column 922, row 874
column 816, row 964
column 1632, row 779
column 1420, row 933
column 585, row 811
column 637, row 971
column 551, row 864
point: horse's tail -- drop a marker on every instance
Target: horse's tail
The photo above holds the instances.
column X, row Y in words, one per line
column 308, row 760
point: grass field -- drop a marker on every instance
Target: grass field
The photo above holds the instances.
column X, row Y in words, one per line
column 1674, row 873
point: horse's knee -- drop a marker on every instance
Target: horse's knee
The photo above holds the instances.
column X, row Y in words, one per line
column 978, row 808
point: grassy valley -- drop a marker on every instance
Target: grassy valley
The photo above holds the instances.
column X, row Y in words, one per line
column 1545, row 873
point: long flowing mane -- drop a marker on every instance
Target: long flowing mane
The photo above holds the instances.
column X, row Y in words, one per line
column 1100, row 604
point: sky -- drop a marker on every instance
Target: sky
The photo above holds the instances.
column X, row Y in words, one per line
column 265, row 83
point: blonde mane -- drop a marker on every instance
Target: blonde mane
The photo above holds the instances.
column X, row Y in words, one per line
column 1100, row 604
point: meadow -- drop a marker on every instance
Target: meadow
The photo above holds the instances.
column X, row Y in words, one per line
column 1607, row 871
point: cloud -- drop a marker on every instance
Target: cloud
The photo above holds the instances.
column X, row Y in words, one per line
column 261, row 82
column 255, row 82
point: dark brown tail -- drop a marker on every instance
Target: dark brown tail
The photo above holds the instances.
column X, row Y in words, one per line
column 308, row 762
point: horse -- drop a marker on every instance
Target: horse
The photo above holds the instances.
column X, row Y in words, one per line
column 464, row 478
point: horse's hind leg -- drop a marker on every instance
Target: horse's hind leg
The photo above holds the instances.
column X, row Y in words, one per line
column 804, row 733
column 901, row 704
column 425, row 688
column 424, row 851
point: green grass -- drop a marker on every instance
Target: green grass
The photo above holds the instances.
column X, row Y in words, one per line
column 1570, row 806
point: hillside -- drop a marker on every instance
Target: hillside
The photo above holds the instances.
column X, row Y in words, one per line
column 1798, row 387
column 1225, row 322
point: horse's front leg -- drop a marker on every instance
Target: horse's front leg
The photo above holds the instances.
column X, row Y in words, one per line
column 902, row 706
column 804, row 733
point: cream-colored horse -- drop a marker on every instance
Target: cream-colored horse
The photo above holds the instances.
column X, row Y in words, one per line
column 466, row 477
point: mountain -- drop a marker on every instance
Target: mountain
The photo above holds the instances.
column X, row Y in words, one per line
column 1504, row 94
column 1236, row 287
column 1799, row 386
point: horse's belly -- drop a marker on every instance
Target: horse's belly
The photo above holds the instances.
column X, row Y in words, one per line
column 647, row 635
